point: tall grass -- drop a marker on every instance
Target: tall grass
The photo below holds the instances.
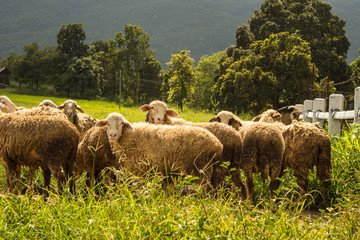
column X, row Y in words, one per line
column 141, row 209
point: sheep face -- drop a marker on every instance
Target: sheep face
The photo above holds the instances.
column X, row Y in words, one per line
column 289, row 114
column 47, row 103
column 6, row 105
column 115, row 123
column 157, row 111
column 227, row 118
column 70, row 108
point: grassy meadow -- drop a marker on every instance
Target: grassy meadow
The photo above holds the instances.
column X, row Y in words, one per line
column 140, row 209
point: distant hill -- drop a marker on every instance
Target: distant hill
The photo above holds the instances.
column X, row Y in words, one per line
column 201, row 26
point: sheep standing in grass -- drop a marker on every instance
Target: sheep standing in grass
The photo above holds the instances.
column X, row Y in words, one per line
column 38, row 141
column 169, row 150
column 81, row 120
column 158, row 113
column 38, row 111
column 7, row 106
column 94, row 155
column 263, row 150
column 306, row 146
column 47, row 103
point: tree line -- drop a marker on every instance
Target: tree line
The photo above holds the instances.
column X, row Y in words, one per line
column 289, row 49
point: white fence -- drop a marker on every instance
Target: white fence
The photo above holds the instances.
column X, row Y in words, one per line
column 315, row 111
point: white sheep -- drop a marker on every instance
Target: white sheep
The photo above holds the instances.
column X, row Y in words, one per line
column 169, row 150
column 7, row 106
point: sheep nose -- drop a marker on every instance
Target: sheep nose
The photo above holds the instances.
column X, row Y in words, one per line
column 160, row 120
column 113, row 135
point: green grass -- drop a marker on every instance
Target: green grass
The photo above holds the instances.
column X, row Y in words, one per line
column 135, row 209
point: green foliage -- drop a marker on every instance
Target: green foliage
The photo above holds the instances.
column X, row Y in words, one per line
column 71, row 41
column 273, row 72
column 346, row 164
column 181, row 78
column 205, row 73
column 313, row 20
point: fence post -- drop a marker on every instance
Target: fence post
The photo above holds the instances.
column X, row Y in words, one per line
column 308, row 106
column 336, row 104
column 319, row 106
column 357, row 105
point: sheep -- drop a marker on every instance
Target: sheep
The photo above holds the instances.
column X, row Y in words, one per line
column 94, row 155
column 285, row 115
column 81, row 120
column 158, row 113
column 7, row 106
column 169, row 150
column 263, row 149
column 47, row 103
column 38, row 141
column 306, row 146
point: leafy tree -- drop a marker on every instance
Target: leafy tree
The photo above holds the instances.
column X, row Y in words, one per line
column 355, row 69
column 151, row 79
column 135, row 51
column 71, row 41
column 82, row 79
column 313, row 20
column 205, row 72
column 182, row 77
column 276, row 71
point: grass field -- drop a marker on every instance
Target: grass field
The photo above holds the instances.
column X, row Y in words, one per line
column 141, row 209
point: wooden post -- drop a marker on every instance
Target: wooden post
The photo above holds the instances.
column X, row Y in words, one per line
column 357, row 105
column 308, row 107
column 318, row 106
column 336, row 104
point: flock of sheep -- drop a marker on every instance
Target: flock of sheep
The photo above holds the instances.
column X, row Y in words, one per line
column 65, row 142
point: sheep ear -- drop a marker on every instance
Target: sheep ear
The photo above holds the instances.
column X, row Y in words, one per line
column 128, row 125
column 60, row 106
column 257, row 118
column 79, row 108
column 101, row 123
column 235, row 123
column 145, row 108
column 215, row 119
column 275, row 115
column 172, row 113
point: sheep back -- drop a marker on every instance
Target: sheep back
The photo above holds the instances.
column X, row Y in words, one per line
column 169, row 150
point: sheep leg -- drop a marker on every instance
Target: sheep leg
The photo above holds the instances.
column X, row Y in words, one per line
column 60, row 178
column 30, row 189
column 236, row 178
column 69, row 175
column 303, row 183
column 249, row 186
column 325, row 177
column 47, row 179
column 18, row 184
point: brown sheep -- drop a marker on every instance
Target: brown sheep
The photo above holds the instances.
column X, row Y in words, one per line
column 81, row 120
column 37, row 111
column 38, row 141
column 158, row 113
column 263, row 150
column 307, row 146
column 94, row 155
column 169, row 150
column 7, row 106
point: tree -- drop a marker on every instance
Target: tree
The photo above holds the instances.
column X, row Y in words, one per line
column 277, row 71
column 71, row 41
column 205, row 72
column 182, row 77
column 313, row 20
column 82, row 80
column 135, row 51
